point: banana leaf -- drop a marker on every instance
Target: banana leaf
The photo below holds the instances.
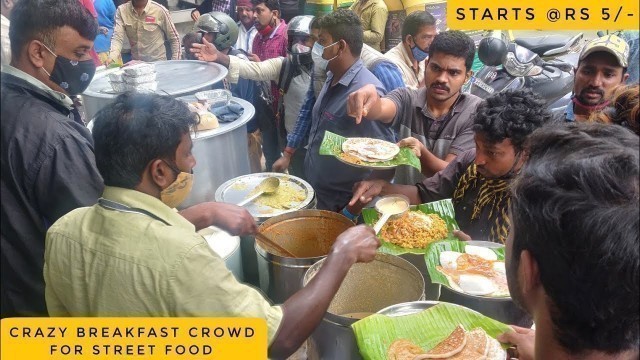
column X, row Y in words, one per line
column 332, row 145
column 432, row 257
column 443, row 208
column 426, row 329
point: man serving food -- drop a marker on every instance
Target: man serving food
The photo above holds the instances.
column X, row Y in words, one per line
column 478, row 179
column 133, row 255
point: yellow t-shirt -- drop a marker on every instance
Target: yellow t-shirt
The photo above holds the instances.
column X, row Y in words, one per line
column 102, row 262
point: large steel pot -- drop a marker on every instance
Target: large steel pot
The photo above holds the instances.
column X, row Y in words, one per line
column 431, row 289
column 235, row 190
column 221, row 154
column 502, row 309
column 174, row 77
column 308, row 234
column 367, row 288
column 227, row 247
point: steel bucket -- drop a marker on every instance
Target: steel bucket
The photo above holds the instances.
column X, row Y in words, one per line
column 309, row 234
column 367, row 288
column 230, row 192
column 227, row 247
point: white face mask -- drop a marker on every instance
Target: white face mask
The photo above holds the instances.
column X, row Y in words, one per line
column 316, row 55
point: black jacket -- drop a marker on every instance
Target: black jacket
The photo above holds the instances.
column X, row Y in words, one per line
column 48, row 169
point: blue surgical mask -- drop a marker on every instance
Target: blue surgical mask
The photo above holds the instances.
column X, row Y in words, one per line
column 316, row 54
column 419, row 54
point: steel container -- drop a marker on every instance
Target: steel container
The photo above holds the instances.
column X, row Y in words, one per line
column 235, row 190
column 221, row 154
column 227, row 246
column 308, row 234
column 367, row 288
column 174, row 77
column 502, row 309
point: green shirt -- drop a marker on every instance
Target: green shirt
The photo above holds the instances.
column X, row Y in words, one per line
column 102, row 262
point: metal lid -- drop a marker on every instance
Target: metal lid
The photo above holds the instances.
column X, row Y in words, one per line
column 247, row 115
column 174, row 77
column 237, row 189
column 407, row 308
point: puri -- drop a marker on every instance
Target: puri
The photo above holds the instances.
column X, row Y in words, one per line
column 65, row 349
column 191, row 350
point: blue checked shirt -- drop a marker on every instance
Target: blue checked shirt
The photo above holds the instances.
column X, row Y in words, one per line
column 388, row 74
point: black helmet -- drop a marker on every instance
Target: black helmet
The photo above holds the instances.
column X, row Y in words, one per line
column 298, row 32
column 492, row 50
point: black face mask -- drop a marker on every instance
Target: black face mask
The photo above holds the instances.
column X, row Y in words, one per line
column 72, row 76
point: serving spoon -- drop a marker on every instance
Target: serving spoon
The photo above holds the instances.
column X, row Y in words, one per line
column 266, row 186
column 388, row 207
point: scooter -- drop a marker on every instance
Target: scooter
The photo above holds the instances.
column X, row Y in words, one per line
column 544, row 64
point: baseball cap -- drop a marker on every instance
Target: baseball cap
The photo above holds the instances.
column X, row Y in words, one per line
column 612, row 44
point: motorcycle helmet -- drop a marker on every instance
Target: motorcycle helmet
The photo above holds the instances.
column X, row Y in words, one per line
column 222, row 25
column 492, row 50
column 298, row 32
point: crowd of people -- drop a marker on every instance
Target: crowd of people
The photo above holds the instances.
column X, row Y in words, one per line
column 89, row 226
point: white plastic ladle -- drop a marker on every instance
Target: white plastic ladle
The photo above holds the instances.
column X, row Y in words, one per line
column 388, row 207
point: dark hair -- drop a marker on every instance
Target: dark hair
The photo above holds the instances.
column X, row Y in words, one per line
column 187, row 41
column 136, row 129
column 414, row 21
column 455, row 43
column 40, row 20
column 271, row 4
column 511, row 114
column 344, row 25
column 575, row 209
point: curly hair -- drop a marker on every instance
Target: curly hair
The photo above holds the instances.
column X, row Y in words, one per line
column 455, row 43
column 512, row 114
column 625, row 109
column 344, row 25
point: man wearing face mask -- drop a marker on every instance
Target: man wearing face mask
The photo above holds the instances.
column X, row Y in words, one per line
column 48, row 166
column 292, row 74
column 132, row 255
column 410, row 55
column 478, row 179
column 338, row 50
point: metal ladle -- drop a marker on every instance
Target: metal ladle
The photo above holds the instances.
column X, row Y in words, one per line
column 388, row 207
column 266, row 186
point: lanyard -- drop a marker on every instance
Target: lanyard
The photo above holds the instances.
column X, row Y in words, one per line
column 112, row 205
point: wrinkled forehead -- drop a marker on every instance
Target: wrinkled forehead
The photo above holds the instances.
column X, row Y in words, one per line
column 600, row 59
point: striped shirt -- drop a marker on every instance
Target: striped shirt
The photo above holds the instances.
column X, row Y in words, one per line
column 269, row 47
column 146, row 32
